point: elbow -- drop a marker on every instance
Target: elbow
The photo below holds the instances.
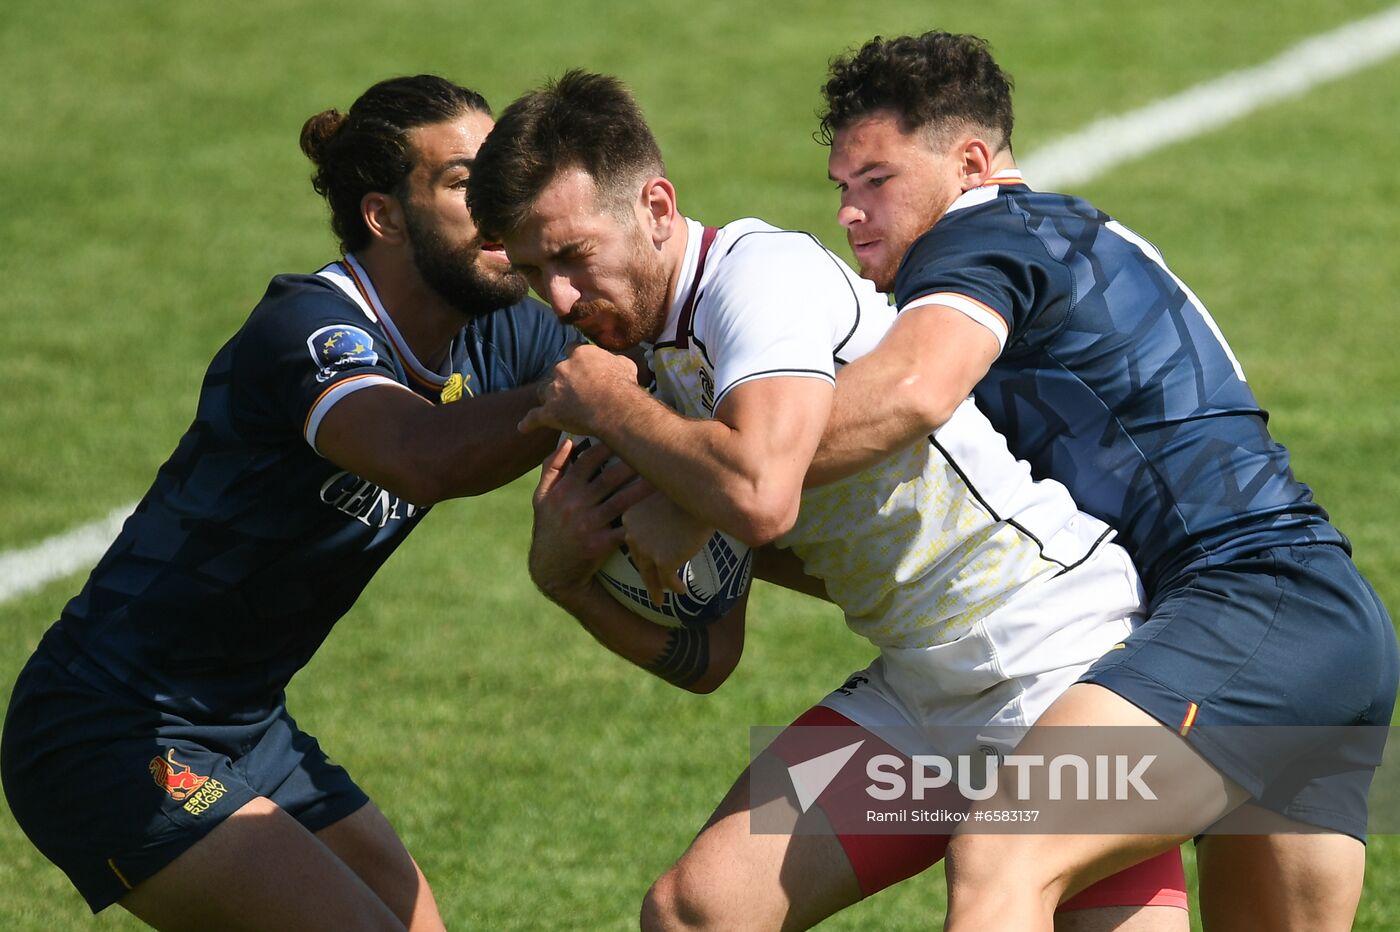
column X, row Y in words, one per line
column 707, row 683
column 724, row 644
column 926, row 405
column 765, row 517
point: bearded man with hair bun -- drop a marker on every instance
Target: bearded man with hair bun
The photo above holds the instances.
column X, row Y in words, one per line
column 350, row 401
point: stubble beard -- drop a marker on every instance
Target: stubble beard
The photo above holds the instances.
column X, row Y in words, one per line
column 644, row 314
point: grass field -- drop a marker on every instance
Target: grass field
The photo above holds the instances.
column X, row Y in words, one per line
column 151, row 184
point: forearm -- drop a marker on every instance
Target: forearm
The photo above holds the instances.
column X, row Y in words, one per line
column 696, row 659
column 702, row 465
column 903, row 390
column 877, row 411
column 485, row 450
column 427, row 453
column 740, row 471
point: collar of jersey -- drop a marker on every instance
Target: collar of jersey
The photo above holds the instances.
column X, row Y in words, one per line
column 988, row 191
column 695, row 232
column 368, row 299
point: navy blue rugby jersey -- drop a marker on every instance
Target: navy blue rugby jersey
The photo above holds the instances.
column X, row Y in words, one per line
column 249, row 546
column 1113, row 379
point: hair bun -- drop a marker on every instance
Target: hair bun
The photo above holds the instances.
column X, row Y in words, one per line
column 318, row 130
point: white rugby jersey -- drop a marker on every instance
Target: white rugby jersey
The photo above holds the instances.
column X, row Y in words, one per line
column 917, row 549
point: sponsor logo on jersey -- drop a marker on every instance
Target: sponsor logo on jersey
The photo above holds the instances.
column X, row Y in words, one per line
column 371, row 505
column 455, row 387
column 853, row 682
column 341, row 347
column 707, row 391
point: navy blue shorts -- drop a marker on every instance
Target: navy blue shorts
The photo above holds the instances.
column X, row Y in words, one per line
column 1291, row 636
column 112, row 790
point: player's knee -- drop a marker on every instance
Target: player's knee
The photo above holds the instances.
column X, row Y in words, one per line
column 978, row 865
column 676, row 903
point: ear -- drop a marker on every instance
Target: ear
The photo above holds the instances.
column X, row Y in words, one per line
column 975, row 158
column 656, row 207
column 383, row 215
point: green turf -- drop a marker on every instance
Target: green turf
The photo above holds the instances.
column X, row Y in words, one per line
column 152, row 184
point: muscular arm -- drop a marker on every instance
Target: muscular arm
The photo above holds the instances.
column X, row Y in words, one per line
column 427, row 453
column 904, row 389
column 575, row 508
column 741, row 471
column 696, row 659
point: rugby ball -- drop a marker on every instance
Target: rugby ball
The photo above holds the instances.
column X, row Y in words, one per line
column 715, row 579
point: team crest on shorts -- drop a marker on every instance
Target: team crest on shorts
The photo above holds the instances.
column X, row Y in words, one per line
column 196, row 791
column 340, row 347
column 175, row 778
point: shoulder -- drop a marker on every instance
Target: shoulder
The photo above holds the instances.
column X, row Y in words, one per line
column 753, row 259
column 1015, row 235
column 753, row 242
column 306, row 314
column 293, row 301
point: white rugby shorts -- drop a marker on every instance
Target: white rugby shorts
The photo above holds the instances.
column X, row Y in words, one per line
column 1006, row 670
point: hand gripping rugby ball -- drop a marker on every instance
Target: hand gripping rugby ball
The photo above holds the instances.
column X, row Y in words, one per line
column 715, row 578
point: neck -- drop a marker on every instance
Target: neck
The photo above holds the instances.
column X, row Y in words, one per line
column 426, row 322
column 673, row 253
column 1002, row 161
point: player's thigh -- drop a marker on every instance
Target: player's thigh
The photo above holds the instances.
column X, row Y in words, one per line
column 1208, row 665
column 258, row 869
column 732, row 876
column 322, row 796
column 1191, row 796
column 369, row 846
column 1299, row 880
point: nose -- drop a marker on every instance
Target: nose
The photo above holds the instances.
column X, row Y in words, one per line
column 849, row 215
column 561, row 294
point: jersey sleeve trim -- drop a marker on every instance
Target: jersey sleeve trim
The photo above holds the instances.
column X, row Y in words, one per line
column 328, row 398
column 772, row 373
column 986, row 316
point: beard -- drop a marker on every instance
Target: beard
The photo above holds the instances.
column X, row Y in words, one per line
column 457, row 273
column 642, row 315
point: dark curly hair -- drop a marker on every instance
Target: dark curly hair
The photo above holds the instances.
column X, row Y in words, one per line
column 368, row 150
column 938, row 80
column 580, row 120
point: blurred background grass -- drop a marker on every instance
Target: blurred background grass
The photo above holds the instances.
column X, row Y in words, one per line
column 152, row 184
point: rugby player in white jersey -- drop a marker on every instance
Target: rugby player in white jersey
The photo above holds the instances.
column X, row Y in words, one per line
column 986, row 592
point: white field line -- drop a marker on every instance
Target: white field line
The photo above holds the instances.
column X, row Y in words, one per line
column 1105, row 144
column 1072, row 160
column 31, row 567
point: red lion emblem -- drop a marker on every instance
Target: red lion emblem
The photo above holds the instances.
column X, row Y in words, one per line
column 174, row 777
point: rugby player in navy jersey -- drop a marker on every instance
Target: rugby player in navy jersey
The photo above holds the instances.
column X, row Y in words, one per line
column 1106, row 372
column 148, row 750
